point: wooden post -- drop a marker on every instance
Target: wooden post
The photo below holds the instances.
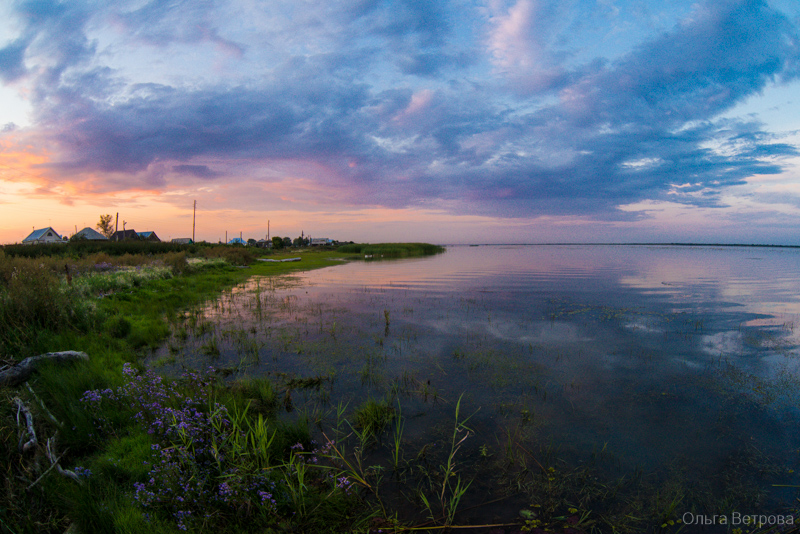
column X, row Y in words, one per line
column 194, row 212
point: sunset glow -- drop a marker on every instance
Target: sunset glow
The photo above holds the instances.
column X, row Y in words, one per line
column 524, row 121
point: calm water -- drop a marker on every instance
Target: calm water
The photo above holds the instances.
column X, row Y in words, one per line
column 672, row 366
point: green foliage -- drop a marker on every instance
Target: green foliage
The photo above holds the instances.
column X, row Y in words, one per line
column 392, row 250
column 34, row 304
column 84, row 248
column 176, row 261
column 233, row 255
column 372, row 417
column 260, row 392
column 125, row 459
column 105, row 226
column 118, row 326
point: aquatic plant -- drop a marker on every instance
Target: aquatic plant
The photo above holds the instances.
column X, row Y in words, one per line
column 372, row 417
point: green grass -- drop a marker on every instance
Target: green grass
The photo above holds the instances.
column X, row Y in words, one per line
column 392, row 250
column 372, row 417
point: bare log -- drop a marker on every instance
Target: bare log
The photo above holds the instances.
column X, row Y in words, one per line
column 21, row 372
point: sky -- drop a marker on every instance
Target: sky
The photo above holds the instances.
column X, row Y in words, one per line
column 446, row 121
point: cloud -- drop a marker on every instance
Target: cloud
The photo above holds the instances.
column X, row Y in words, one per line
column 522, row 48
column 390, row 103
column 198, row 171
column 12, row 66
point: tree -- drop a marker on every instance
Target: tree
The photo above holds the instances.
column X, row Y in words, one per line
column 287, row 242
column 277, row 243
column 104, row 225
column 251, row 242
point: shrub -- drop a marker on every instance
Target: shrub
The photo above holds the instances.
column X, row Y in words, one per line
column 33, row 302
column 176, row 261
column 118, row 326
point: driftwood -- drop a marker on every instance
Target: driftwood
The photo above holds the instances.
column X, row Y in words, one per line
column 22, row 408
column 21, row 372
column 51, row 455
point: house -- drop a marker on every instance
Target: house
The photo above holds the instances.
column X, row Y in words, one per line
column 125, row 235
column 264, row 243
column 317, row 241
column 148, row 236
column 45, row 235
column 89, row 234
column 237, row 241
column 183, row 241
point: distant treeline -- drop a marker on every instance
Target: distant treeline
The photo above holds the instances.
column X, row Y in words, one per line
column 392, row 250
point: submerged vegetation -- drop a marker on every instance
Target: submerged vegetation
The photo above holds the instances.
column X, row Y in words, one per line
column 164, row 429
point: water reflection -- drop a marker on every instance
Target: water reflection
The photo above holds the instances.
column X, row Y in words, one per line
column 663, row 358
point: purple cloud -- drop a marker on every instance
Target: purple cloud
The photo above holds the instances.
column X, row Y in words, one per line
column 404, row 104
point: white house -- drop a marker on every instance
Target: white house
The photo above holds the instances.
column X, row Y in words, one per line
column 45, row 235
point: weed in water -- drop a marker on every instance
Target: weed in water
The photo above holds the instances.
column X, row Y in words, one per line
column 211, row 348
column 372, row 417
column 451, row 487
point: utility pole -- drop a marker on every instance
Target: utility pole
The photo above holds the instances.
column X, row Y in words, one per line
column 226, row 237
column 267, row 229
column 116, row 226
column 194, row 212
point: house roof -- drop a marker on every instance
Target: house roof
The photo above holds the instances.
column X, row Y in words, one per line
column 124, row 234
column 91, row 234
column 38, row 234
column 144, row 234
column 237, row 241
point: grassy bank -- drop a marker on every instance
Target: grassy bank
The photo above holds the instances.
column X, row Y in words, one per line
column 112, row 438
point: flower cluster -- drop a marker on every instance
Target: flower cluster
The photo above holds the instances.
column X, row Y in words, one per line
column 191, row 478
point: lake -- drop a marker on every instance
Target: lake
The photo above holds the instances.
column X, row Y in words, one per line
column 651, row 380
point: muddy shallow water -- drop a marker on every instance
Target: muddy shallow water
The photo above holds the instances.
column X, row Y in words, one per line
column 676, row 366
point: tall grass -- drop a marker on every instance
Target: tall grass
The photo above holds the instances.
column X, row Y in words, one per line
column 34, row 303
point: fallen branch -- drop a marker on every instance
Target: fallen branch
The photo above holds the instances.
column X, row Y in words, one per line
column 21, row 372
column 32, row 442
column 51, row 454
column 52, row 465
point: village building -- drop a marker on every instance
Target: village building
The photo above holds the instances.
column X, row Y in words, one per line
column 148, row 236
column 125, row 235
column 89, row 234
column 182, row 241
column 44, row 235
